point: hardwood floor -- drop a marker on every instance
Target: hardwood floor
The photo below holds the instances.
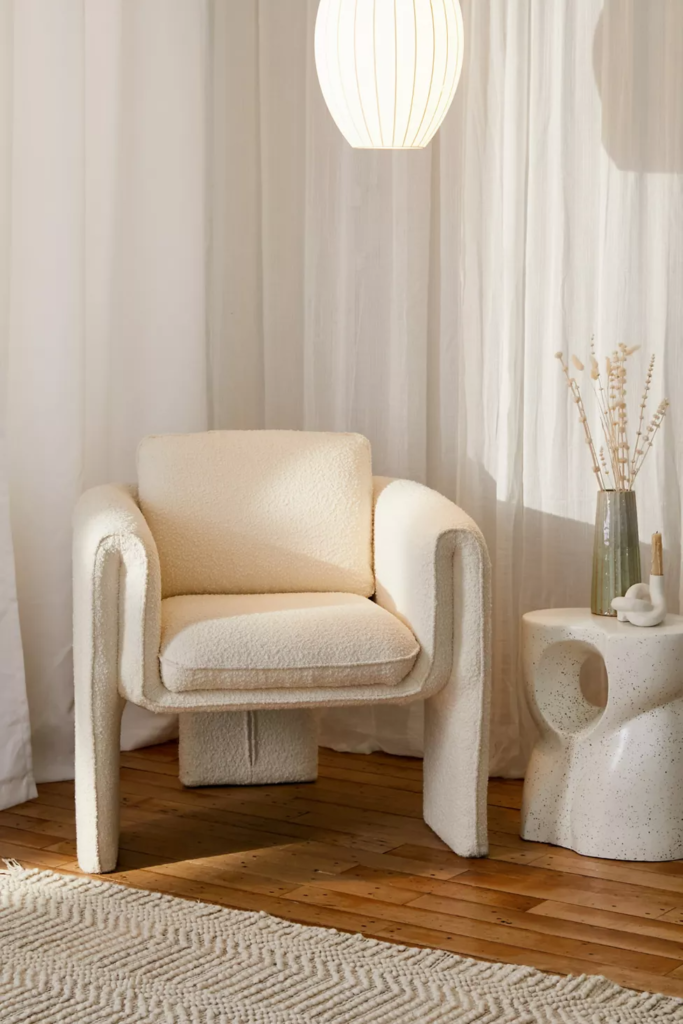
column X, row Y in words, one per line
column 352, row 852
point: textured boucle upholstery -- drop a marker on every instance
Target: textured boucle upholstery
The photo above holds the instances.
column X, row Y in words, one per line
column 259, row 511
column 117, row 621
column 432, row 574
column 433, row 571
column 275, row 641
column 248, row 748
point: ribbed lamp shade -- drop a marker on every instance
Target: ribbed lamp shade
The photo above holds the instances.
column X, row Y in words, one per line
column 388, row 69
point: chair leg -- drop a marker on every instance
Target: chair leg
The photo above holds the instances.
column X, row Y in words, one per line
column 248, row 748
column 456, row 768
column 98, row 741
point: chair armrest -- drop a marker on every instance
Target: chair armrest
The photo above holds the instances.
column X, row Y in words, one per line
column 117, row 613
column 117, row 593
column 432, row 570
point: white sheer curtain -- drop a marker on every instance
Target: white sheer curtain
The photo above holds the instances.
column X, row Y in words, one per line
column 16, row 771
column 187, row 241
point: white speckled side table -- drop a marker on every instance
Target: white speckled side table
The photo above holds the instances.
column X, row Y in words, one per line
column 605, row 781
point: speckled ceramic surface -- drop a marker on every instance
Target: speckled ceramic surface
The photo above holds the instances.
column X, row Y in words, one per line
column 605, row 781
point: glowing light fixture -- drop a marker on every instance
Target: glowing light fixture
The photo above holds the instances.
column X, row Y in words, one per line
column 388, row 69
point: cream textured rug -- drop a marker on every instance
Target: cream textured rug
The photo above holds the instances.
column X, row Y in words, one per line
column 76, row 950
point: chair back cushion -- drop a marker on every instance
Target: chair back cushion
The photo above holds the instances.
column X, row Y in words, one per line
column 259, row 511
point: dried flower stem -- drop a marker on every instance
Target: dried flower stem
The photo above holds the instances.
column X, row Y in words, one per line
column 649, row 436
column 575, row 392
column 603, row 408
column 641, row 419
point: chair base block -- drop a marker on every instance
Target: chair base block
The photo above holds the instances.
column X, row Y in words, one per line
column 248, row 748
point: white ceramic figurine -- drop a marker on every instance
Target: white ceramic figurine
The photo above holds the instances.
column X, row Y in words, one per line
column 644, row 605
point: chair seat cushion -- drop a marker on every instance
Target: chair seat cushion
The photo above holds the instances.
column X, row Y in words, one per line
column 281, row 641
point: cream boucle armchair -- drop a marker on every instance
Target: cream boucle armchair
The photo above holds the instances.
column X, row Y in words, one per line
column 242, row 578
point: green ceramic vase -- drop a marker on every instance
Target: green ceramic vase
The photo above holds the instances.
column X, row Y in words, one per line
column 616, row 551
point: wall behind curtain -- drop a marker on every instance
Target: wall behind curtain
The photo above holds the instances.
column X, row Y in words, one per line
column 190, row 243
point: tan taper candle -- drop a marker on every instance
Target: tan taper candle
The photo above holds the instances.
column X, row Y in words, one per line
column 657, row 560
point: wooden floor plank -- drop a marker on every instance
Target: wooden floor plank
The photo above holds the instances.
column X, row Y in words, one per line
column 613, row 870
column 23, row 837
column 45, row 811
column 407, row 784
column 160, row 766
column 513, row 856
column 505, row 793
column 32, row 857
column 38, row 826
column 675, row 915
column 489, row 931
column 657, row 927
column 351, row 851
column 392, row 868
column 615, row 937
column 398, row 768
column 393, row 763
column 399, row 831
column 450, row 888
column 622, row 901
column 542, row 960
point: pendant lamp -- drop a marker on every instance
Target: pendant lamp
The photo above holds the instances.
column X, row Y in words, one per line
column 388, row 69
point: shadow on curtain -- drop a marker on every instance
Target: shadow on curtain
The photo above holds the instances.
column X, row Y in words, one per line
column 638, row 62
